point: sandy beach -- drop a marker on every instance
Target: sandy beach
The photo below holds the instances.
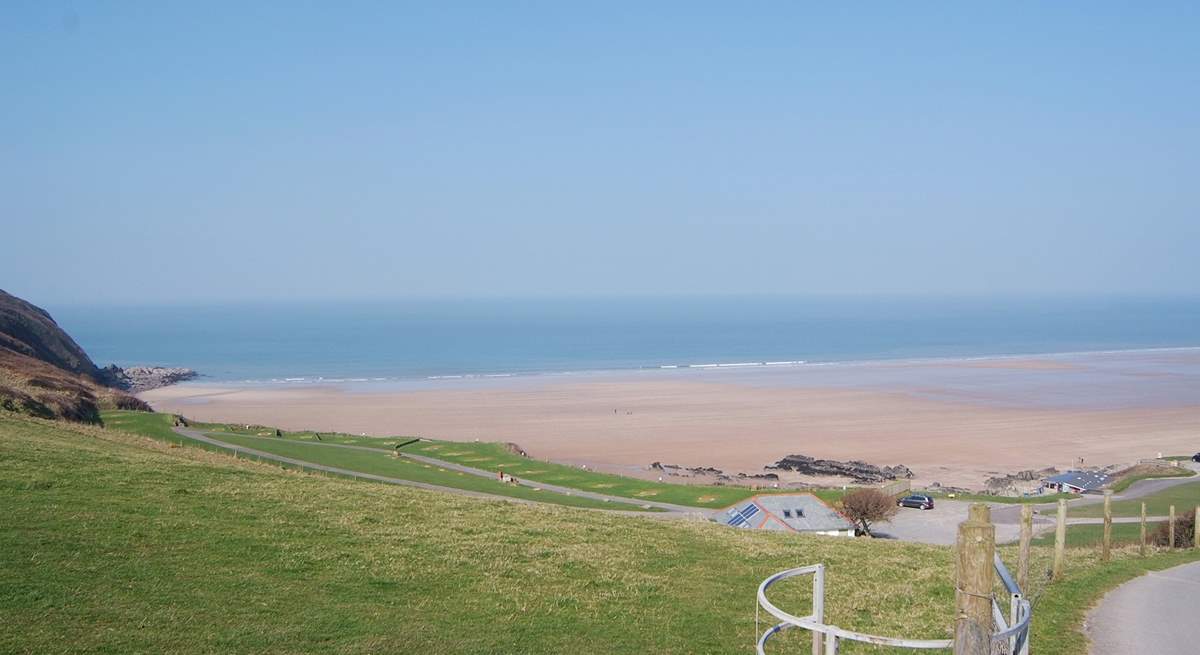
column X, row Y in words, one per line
column 951, row 422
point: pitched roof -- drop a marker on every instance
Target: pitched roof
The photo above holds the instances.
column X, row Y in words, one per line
column 799, row 512
column 1086, row 480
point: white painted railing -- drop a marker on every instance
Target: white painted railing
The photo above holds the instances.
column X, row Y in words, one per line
column 826, row 637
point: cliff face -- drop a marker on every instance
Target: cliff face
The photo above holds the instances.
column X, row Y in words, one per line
column 44, row 373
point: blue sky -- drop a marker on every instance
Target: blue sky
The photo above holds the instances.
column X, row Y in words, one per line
column 237, row 151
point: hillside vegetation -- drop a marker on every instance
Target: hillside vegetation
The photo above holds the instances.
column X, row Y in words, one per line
column 120, row 543
column 44, row 373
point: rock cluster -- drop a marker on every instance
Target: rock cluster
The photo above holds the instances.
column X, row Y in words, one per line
column 856, row 470
column 144, row 378
column 675, row 469
column 1010, row 484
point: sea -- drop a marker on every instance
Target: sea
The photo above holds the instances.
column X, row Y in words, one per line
column 274, row 343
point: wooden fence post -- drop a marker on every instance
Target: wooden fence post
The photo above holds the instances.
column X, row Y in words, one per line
column 1026, row 538
column 1060, row 540
column 1106, row 550
column 1171, row 529
column 973, row 582
column 1142, row 543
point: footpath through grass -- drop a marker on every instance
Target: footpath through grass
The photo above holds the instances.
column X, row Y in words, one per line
column 1184, row 497
column 1059, row 608
column 492, row 456
column 382, row 463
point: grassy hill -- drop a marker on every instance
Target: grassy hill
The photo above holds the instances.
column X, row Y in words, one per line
column 121, row 543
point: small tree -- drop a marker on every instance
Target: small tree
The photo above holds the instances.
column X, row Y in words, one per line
column 867, row 506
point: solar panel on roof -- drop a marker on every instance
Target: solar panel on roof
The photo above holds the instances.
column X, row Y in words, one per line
column 750, row 510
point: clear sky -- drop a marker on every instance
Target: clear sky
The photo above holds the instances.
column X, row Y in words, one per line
column 166, row 151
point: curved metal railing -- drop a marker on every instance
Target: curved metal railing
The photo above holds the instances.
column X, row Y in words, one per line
column 826, row 637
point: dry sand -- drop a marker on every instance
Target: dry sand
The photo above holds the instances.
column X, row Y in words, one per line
column 624, row 425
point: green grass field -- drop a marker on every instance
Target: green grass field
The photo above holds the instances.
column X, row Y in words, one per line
column 117, row 543
column 1007, row 500
column 1091, row 535
column 493, row 456
column 1184, row 497
column 382, row 463
column 1125, row 483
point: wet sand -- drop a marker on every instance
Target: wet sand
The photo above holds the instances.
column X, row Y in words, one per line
column 955, row 427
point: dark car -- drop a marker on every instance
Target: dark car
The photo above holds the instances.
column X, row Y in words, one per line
column 917, row 501
column 1196, row 457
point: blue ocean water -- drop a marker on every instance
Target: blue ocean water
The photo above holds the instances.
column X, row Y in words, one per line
column 428, row 338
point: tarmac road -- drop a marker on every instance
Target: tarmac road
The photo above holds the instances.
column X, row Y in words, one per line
column 1156, row 613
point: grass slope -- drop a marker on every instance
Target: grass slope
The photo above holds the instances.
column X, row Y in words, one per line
column 1162, row 472
column 382, row 463
column 119, row 543
column 1004, row 500
column 1184, row 497
column 1091, row 535
column 493, row 456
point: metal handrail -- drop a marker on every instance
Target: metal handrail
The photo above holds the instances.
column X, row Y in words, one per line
column 1017, row 635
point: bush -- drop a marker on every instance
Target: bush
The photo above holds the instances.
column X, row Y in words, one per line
column 1185, row 531
column 122, row 401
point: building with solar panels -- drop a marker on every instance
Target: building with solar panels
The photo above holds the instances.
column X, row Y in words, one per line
column 788, row 513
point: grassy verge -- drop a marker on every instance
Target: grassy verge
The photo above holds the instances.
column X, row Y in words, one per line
column 1091, row 535
column 1184, row 497
column 1124, row 483
column 158, row 426
column 494, row 456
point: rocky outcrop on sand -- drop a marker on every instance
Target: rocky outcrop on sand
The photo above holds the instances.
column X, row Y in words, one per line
column 1014, row 484
column 854, row 469
column 143, row 378
column 675, row 469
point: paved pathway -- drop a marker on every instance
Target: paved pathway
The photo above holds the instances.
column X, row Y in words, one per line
column 1156, row 613
column 675, row 511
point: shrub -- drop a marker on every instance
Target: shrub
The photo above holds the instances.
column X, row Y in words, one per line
column 1185, row 531
column 123, row 401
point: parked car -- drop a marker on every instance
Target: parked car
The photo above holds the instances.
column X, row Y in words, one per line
column 917, row 501
column 1196, row 457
